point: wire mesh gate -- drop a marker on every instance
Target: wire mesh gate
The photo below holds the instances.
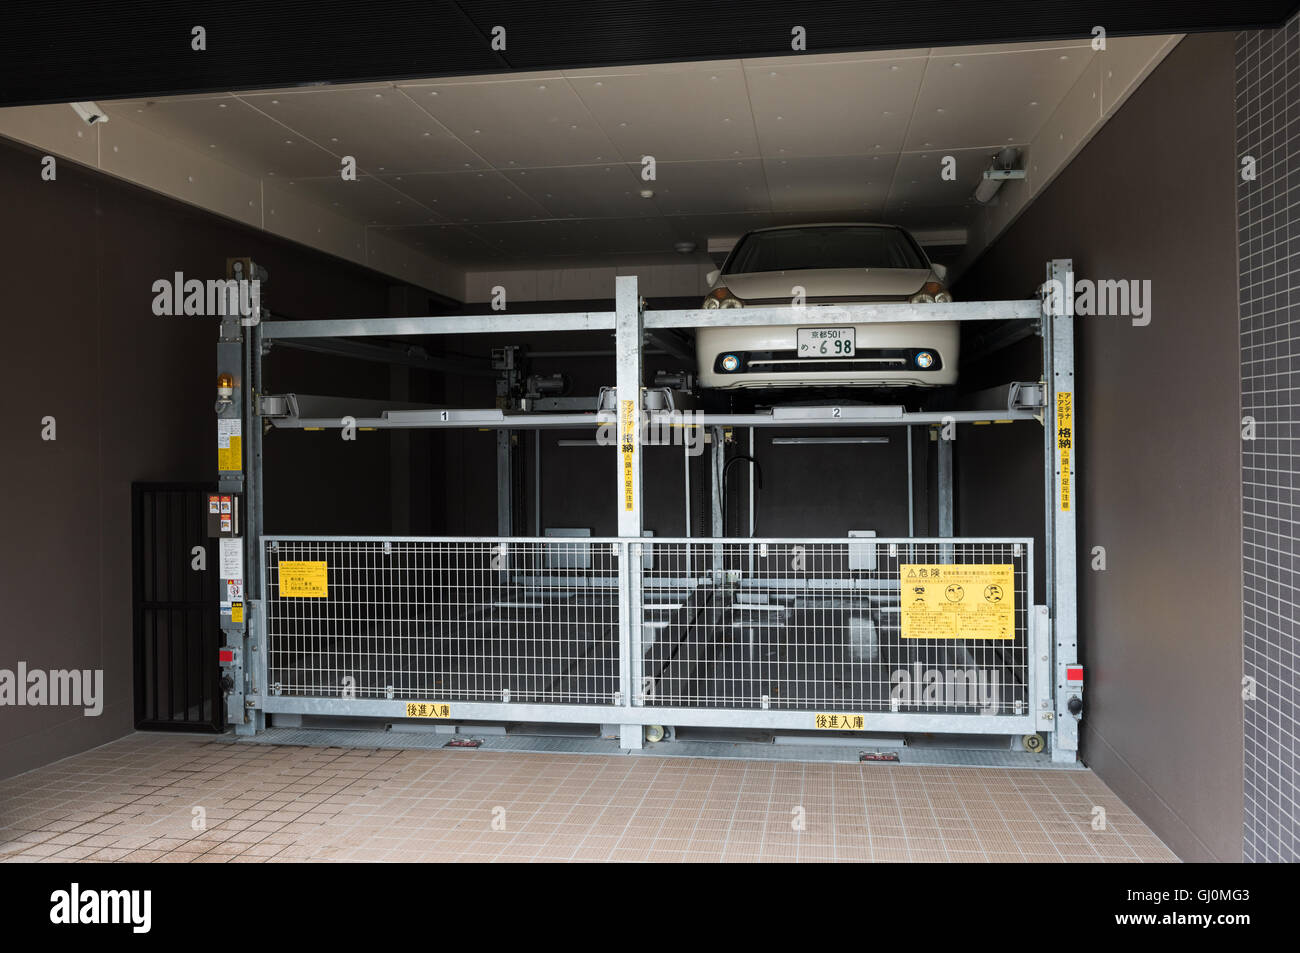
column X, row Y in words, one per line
column 839, row 626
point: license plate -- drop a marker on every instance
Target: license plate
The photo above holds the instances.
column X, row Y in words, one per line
column 825, row 342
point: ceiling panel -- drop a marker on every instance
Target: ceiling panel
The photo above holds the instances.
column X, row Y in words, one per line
column 729, row 185
column 463, row 197
column 700, row 111
column 990, row 98
column 919, row 181
column 518, row 124
column 379, row 126
column 868, row 110
column 452, row 243
column 231, row 131
column 368, row 199
column 610, row 190
column 820, row 183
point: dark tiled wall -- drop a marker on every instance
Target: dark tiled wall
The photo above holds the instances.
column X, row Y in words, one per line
column 1268, row 210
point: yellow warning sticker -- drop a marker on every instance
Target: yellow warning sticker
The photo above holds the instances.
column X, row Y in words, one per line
column 958, row 601
column 229, row 454
column 1065, row 442
column 428, row 710
column 237, row 612
column 839, row 722
column 627, row 443
column 303, row 580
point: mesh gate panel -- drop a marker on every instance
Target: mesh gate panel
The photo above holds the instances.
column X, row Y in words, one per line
column 533, row 621
column 816, row 626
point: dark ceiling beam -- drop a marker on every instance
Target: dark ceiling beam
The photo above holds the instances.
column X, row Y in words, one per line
column 62, row 52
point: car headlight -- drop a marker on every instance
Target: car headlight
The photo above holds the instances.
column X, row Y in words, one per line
column 722, row 298
column 931, row 292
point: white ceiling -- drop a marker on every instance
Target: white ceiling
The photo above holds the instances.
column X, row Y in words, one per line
column 528, row 169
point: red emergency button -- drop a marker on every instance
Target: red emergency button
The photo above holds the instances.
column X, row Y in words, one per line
column 1074, row 674
column 226, row 655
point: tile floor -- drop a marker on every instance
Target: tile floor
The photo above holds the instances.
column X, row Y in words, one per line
column 138, row 799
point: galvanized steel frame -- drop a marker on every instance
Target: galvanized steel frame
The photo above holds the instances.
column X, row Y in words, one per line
column 1053, row 623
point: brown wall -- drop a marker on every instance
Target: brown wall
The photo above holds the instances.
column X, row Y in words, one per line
column 1151, row 197
column 132, row 395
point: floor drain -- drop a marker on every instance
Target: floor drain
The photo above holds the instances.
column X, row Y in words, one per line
column 878, row 756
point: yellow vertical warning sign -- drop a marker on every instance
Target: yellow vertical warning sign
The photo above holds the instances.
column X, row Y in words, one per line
column 957, row 601
column 1065, row 442
column 627, row 444
column 303, row 580
column 229, row 456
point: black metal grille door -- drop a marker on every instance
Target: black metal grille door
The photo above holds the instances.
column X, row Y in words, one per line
column 176, row 623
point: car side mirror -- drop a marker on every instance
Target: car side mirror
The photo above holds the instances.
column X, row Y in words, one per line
column 711, row 277
column 940, row 271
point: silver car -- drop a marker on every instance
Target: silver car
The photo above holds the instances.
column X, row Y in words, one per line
column 821, row 266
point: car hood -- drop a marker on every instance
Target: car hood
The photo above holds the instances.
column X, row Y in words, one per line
column 828, row 282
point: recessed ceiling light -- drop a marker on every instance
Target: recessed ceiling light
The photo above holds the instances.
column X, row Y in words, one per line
column 893, row 69
column 956, row 66
column 288, row 142
column 219, row 106
column 433, row 92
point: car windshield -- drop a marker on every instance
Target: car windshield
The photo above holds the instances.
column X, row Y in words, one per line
column 840, row 246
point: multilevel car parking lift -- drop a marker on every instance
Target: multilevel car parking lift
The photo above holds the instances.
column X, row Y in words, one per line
column 795, row 635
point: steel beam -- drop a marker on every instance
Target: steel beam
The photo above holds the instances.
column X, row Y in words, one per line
column 494, row 419
column 507, row 323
